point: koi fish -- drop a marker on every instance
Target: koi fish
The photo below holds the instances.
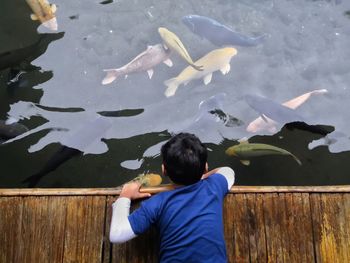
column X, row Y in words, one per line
column 174, row 43
column 150, row 179
column 259, row 124
column 145, row 61
column 271, row 109
column 218, row 59
column 44, row 12
column 218, row 34
column 246, row 150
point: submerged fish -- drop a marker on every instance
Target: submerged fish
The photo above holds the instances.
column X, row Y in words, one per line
column 271, row 109
column 246, row 150
column 218, row 59
column 145, row 61
column 259, row 124
column 44, row 12
column 11, row 130
column 77, row 142
column 174, row 43
column 217, row 33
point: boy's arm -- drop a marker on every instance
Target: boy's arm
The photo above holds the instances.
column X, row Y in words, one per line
column 121, row 230
column 227, row 172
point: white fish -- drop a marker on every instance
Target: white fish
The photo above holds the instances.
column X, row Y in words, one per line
column 260, row 124
column 218, row 59
column 145, row 61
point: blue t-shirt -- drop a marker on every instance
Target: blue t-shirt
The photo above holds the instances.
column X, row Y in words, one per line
column 189, row 220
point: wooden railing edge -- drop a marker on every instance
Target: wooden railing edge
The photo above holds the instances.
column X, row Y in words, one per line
column 116, row 190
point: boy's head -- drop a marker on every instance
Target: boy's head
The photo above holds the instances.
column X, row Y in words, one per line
column 184, row 158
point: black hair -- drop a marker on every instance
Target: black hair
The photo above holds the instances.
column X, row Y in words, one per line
column 184, row 158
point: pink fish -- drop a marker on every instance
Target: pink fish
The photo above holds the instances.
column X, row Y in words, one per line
column 145, row 61
column 260, row 124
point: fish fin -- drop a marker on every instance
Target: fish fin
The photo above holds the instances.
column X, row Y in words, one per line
column 225, row 69
column 165, row 46
column 150, row 73
column 34, row 17
column 172, row 85
column 53, row 8
column 243, row 140
column 199, row 68
column 296, row 159
column 112, row 74
column 207, row 78
column 264, row 118
column 245, row 162
column 168, row 62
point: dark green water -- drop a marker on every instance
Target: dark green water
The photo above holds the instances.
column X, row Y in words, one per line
column 50, row 82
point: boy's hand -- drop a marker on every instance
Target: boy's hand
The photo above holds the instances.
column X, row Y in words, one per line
column 131, row 191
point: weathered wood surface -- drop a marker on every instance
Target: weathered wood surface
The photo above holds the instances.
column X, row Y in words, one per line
column 270, row 226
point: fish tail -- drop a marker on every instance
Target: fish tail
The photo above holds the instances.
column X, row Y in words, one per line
column 33, row 179
column 296, row 159
column 172, row 85
column 112, row 74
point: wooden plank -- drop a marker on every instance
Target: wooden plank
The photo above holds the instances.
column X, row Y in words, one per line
column 331, row 241
column 346, row 220
column 240, row 231
column 84, row 229
column 143, row 248
column 256, row 229
column 10, row 227
column 229, row 225
column 302, row 223
column 116, row 190
column 272, row 218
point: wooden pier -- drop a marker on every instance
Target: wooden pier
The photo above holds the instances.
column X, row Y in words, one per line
column 262, row 224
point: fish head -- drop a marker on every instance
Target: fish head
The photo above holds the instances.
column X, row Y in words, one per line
column 163, row 32
column 231, row 151
column 230, row 51
column 189, row 21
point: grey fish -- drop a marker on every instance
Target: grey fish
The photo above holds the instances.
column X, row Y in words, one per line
column 145, row 61
column 218, row 34
column 8, row 131
column 273, row 110
column 82, row 138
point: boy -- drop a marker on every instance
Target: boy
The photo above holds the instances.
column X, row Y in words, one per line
column 188, row 218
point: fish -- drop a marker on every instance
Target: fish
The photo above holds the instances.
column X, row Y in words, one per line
column 174, row 43
column 77, row 141
column 11, row 130
column 268, row 108
column 44, row 12
column 217, row 59
column 217, row 33
column 149, row 179
column 145, row 61
column 246, row 150
column 259, row 124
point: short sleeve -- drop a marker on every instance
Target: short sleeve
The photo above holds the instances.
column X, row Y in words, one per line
column 145, row 216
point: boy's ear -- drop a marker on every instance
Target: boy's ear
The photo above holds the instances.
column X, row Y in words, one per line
column 163, row 170
column 206, row 168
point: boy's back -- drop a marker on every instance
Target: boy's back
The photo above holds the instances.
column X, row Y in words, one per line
column 189, row 220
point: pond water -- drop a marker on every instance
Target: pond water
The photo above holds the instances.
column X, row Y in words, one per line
column 76, row 132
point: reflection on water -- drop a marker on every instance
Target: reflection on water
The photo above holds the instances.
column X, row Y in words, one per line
column 285, row 84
